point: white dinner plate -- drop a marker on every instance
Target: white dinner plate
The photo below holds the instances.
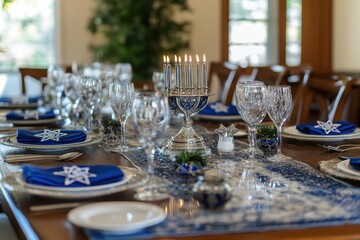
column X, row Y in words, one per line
column 117, row 217
column 15, row 182
column 12, row 142
column 346, row 168
column 218, row 118
column 33, row 122
column 292, row 133
column 126, row 178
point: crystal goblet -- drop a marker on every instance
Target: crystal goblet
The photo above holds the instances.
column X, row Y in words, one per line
column 151, row 118
column 122, row 100
column 279, row 104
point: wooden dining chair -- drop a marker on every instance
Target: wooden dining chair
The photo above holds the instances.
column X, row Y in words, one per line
column 322, row 97
column 227, row 74
column 270, row 75
column 36, row 73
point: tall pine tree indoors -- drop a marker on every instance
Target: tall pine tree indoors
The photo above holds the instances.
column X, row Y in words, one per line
column 139, row 32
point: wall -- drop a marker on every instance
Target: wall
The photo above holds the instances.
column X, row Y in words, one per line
column 75, row 39
column 205, row 37
column 346, row 35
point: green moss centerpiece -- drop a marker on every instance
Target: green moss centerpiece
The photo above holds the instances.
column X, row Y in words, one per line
column 266, row 140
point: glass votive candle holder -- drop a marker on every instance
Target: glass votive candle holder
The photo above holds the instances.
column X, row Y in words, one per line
column 225, row 145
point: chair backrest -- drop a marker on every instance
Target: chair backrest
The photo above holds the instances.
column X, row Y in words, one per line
column 36, row 73
column 227, row 74
column 323, row 97
column 270, row 75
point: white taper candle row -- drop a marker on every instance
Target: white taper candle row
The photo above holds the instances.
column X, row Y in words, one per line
column 192, row 83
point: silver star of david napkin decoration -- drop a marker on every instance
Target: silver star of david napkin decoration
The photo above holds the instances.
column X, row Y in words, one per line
column 219, row 107
column 54, row 135
column 328, row 126
column 31, row 114
column 75, row 174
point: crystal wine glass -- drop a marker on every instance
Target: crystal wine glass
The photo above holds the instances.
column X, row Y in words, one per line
column 151, row 119
column 122, row 100
column 55, row 76
column 124, row 72
column 250, row 102
column 90, row 89
column 279, row 104
column 72, row 92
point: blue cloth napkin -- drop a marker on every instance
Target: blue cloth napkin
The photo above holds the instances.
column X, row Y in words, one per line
column 50, row 137
column 219, row 109
column 29, row 115
column 76, row 174
column 355, row 163
column 19, row 100
column 342, row 126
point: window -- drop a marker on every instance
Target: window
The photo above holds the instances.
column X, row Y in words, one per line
column 253, row 32
column 27, row 33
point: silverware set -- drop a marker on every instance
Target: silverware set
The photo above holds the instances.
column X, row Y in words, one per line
column 19, row 158
column 340, row 148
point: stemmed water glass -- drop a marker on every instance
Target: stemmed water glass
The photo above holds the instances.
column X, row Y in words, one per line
column 55, row 76
column 151, row 118
column 250, row 102
column 72, row 92
column 90, row 89
column 124, row 72
column 279, row 104
column 122, row 100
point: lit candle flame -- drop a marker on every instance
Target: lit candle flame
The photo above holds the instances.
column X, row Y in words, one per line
column 164, row 59
column 197, row 58
column 190, row 59
column 185, row 58
column 175, row 58
column 204, row 58
column 167, row 59
column 179, row 59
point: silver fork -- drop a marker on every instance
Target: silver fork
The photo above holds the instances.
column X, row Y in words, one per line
column 340, row 148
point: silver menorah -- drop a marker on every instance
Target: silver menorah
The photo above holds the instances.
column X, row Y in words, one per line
column 187, row 98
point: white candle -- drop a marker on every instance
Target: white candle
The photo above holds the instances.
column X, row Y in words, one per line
column 177, row 85
column 165, row 73
column 191, row 74
column 225, row 144
column 198, row 80
column 180, row 74
column 186, row 66
column 168, row 72
column 204, row 72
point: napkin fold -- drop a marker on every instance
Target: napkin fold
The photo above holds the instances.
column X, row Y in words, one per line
column 355, row 162
column 50, row 137
column 72, row 175
column 327, row 128
column 19, row 100
column 219, row 109
column 30, row 115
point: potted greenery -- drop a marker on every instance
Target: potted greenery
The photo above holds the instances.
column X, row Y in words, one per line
column 139, row 32
column 266, row 139
column 190, row 163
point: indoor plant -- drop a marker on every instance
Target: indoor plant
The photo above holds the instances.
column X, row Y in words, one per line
column 266, row 139
column 139, row 32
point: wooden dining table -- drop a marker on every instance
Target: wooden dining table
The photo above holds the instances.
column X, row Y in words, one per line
column 55, row 225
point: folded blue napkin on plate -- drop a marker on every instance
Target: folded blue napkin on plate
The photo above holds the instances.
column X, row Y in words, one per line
column 50, row 137
column 19, row 100
column 72, row 175
column 327, row 128
column 355, row 163
column 30, row 115
column 219, row 109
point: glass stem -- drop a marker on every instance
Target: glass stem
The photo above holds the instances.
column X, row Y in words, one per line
column 59, row 101
column 90, row 119
column 279, row 140
column 252, row 139
column 150, row 158
column 122, row 136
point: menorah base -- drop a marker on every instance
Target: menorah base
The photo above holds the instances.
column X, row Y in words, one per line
column 187, row 140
